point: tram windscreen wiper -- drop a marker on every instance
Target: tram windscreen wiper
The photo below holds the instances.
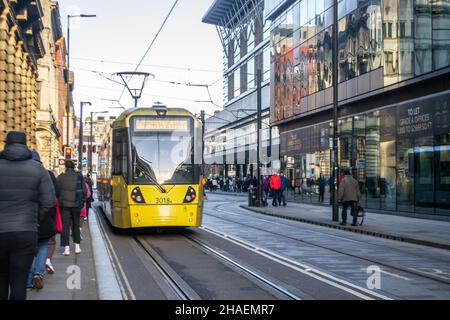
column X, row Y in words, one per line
column 145, row 167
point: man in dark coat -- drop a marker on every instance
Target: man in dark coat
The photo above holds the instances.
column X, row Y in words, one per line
column 26, row 197
column 72, row 195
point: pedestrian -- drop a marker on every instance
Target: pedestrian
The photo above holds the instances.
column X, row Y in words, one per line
column 26, row 197
column 266, row 188
column 71, row 199
column 349, row 195
column 275, row 185
column 90, row 199
column 85, row 210
column 52, row 245
column 322, row 182
column 46, row 231
column 283, row 188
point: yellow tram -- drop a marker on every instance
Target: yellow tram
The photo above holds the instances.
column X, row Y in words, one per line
column 150, row 169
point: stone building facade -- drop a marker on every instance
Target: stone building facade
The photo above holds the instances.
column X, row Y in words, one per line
column 20, row 47
column 53, row 89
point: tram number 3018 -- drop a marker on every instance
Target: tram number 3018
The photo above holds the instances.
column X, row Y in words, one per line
column 163, row 201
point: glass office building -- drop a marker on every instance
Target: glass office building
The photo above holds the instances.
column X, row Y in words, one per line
column 230, row 137
column 393, row 75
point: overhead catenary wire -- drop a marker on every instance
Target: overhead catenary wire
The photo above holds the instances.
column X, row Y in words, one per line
column 108, row 76
column 187, row 84
column 148, row 65
column 151, row 45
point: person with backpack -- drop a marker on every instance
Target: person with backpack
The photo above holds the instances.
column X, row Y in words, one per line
column 71, row 199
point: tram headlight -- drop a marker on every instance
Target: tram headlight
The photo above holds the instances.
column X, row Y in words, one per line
column 136, row 195
column 190, row 196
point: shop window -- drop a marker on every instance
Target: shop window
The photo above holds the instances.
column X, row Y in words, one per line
column 442, row 160
column 405, row 174
column 424, row 174
column 387, row 151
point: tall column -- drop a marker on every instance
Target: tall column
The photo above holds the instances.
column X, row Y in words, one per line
column 34, row 106
column 18, row 86
column 10, row 78
column 4, row 36
column 23, row 90
column 28, row 104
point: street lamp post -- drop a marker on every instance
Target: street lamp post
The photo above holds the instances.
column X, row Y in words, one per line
column 68, row 70
column 259, row 202
column 81, row 136
column 90, row 139
column 203, row 120
column 335, row 154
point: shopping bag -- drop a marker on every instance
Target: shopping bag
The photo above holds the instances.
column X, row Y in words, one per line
column 58, row 220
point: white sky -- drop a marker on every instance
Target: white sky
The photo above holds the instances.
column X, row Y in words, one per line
column 122, row 31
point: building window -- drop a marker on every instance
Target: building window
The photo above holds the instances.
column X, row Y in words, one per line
column 389, row 63
column 402, row 29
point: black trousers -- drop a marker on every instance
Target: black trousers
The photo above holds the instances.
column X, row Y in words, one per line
column 17, row 251
column 70, row 218
column 321, row 194
column 345, row 206
column 276, row 196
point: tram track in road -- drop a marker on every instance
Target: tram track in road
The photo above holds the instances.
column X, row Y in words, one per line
column 244, row 268
column 408, row 270
column 182, row 290
column 185, row 289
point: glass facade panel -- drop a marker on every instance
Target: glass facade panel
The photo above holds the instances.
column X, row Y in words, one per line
column 400, row 155
column 304, row 69
column 423, row 37
column 424, row 174
column 442, row 160
column 342, row 50
column 407, row 38
column 312, row 65
column 441, row 33
column 363, row 36
column 387, row 184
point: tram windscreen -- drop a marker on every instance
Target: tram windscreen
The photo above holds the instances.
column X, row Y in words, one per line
column 162, row 150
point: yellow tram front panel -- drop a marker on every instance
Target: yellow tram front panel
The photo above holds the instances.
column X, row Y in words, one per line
column 159, row 209
column 165, row 209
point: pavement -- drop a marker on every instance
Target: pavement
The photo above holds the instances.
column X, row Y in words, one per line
column 88, row 276
column 401, row 228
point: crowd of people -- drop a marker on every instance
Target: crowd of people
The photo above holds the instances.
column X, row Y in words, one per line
column 276, row 186
column 35, row 206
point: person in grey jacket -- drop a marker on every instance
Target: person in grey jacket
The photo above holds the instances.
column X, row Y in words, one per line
column 349, row 195
column 72, row 195
column 26, row 196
